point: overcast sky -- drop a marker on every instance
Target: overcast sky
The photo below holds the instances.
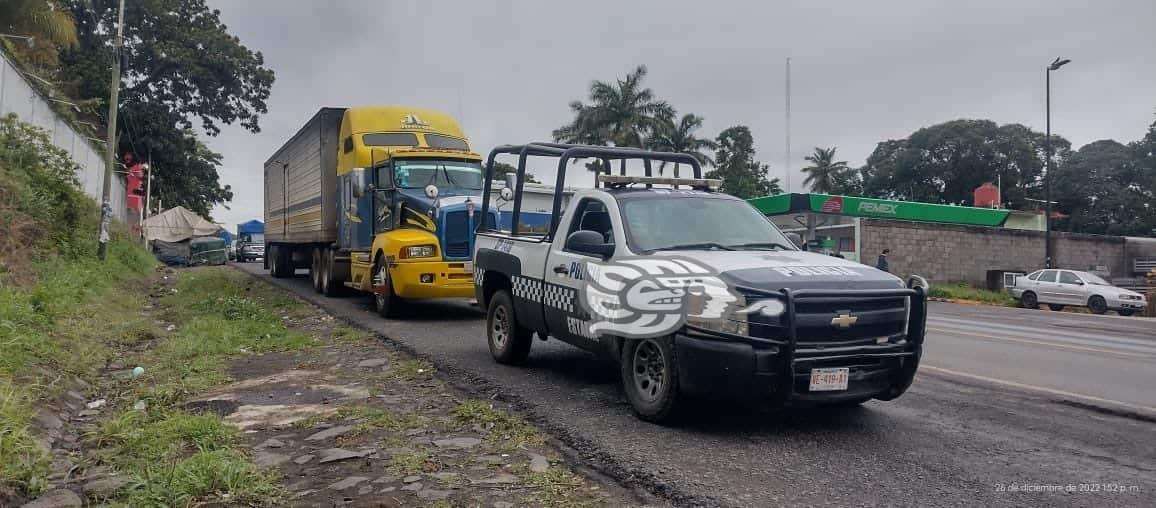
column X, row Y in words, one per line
column 861, row 71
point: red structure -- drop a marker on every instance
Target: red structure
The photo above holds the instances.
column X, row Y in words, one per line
column 987, row 196
column 134, row 183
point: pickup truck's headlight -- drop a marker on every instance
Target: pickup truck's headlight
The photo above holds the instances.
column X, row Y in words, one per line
column 729, row 322
column 735, row 325
column 419, row 251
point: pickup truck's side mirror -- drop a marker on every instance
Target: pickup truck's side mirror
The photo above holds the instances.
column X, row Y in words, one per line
column 589, row 242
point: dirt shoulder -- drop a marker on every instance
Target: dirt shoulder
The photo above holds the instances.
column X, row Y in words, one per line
column 248, row 396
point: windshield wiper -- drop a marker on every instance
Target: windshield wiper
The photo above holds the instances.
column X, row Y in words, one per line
column 449, row 179
column 755, row 245
column 696, row 246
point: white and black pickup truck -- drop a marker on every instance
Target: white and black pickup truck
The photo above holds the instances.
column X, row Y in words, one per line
column 692, row 291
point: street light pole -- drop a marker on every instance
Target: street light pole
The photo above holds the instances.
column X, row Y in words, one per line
column 1049, row 252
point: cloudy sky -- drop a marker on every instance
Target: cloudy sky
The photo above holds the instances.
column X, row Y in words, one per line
column 861, row 71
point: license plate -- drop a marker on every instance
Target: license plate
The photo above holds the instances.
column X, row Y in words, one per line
column 470, row 266
column 829, row 379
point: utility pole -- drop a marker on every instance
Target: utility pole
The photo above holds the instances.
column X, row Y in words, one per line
column 110, row 157
column 787, row 167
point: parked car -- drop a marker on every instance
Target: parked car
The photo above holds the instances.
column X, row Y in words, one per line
column 1060, row 288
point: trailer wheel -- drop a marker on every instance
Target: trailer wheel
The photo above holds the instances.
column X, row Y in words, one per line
column 385, row 301
column 315, row 262
column 649, row 371
column 279, row 262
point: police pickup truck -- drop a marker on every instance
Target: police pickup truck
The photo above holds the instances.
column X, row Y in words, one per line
column 692, row 292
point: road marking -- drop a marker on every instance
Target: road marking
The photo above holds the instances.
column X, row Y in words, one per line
column 1050, row 391
column 1040, row 343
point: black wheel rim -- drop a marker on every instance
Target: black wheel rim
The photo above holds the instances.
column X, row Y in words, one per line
column 649, row 369
column 1030, row 300
column 500, row 327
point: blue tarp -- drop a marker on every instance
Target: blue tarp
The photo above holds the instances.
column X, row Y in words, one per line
column 226, row 235
column 253, row 226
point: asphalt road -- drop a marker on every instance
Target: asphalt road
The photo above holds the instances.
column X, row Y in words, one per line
column 991, row 421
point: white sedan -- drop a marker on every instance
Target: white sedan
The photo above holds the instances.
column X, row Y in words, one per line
column 1058, row 288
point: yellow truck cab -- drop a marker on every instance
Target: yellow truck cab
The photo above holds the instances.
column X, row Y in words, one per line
column 379, row 199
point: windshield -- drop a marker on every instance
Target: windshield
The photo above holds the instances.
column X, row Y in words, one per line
column 252, row 238
column 443, row 174
column 681, row 222
column 1093, row 279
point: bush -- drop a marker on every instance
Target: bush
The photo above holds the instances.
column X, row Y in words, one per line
column 964, row 291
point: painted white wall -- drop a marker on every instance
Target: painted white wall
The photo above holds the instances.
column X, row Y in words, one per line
column 17, row 96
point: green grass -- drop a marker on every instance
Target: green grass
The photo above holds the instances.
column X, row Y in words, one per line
column 48, row 332
column 506, row 430
column 413, row 369
column 964, row 291
column 219, row 314
column 413, row 462
column 177, row 458
column 557, row 487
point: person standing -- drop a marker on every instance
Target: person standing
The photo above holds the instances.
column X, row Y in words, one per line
column 882, row 263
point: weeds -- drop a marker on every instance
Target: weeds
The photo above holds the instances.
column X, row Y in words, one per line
column 557, row 487
column 178, row 458
column 411, row 370
column 964, row 291
column 413, row 462
column 506, row 431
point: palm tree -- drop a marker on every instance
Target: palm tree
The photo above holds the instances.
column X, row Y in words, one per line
column 824, row 170
column 623, row 113
column 671, row 137
column 49, row 25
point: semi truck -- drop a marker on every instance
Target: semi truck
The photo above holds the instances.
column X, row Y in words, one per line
column 377, row 199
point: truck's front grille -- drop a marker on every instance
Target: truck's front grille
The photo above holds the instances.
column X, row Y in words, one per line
column 456, row 235
column 835, row 320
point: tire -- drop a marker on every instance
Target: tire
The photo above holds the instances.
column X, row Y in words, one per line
column 509, row 342
column 387, row 303
column 329, row 286
column 649, row 371
column 1055, row 307
column 1125, row 312
column 1097, row 304
column 276, row 262
column 1029, row 300
column 315, row 268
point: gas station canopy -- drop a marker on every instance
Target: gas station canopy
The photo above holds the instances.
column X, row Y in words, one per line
column 852, row 206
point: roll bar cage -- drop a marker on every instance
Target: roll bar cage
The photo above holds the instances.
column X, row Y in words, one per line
column 565, row 153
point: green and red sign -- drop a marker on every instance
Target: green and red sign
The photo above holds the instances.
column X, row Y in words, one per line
column 879, row 208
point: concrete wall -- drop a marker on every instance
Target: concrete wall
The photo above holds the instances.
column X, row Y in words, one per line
column 966, row 253
column 17, row 96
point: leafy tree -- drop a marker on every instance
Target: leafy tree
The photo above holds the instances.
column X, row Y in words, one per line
column 1104, row 188
column 182, row 66
column 944, row 163
column 623, row 113
column 501, row 169
column 672, row 137
column 824, row 174
column 735, row 165
column 50, row 27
